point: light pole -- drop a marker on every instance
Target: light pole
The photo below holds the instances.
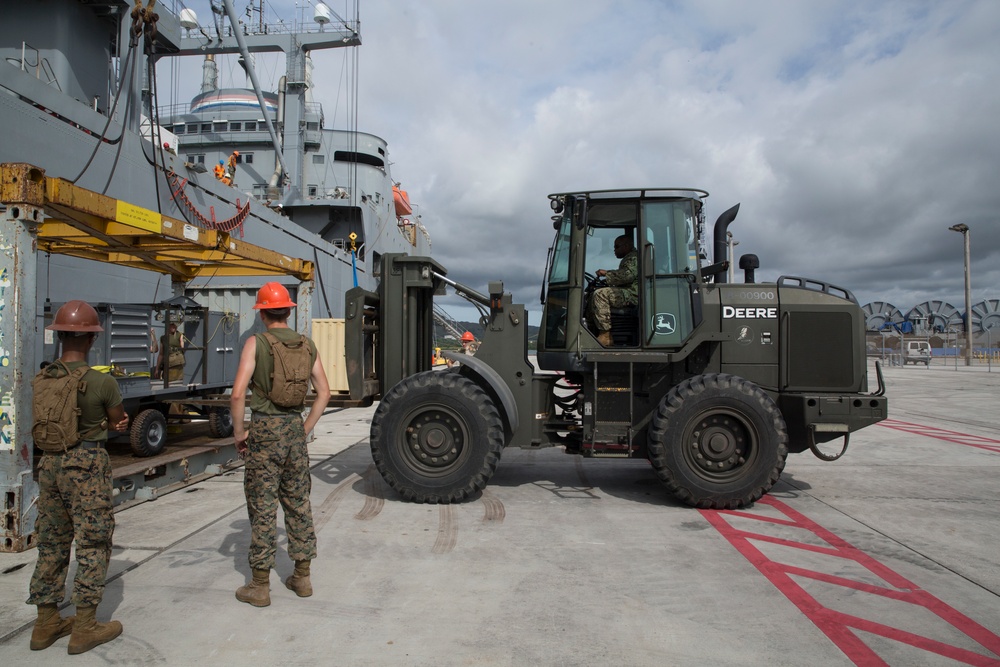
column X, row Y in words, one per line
column 963, row 229
column 989, row 350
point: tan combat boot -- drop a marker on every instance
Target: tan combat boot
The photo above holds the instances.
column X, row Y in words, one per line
column 299, row 581
column 257, row 592
column 49, row 627
column 604, row 338
column 88, row 633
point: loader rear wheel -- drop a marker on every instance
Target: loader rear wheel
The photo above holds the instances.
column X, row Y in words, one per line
column 436, row 437
column 718, row 441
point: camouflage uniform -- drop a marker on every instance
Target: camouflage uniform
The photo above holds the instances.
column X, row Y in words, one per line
column 623, row 291
column 174, row 351
column 74, row 500
column 277, row 468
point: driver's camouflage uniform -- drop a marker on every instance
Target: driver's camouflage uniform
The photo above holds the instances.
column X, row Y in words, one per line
column 623, row 290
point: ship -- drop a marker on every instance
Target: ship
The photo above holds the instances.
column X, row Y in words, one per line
column 82, row 103
column 110, row 195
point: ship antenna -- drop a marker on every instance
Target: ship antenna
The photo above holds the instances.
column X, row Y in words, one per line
column 238, row 34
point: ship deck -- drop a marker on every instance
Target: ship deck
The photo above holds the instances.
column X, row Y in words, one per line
column 887, row 556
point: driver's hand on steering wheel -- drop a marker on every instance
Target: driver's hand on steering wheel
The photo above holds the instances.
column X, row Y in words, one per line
column 601, row 273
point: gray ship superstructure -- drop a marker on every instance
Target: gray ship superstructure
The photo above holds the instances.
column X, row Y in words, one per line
column 81, row 102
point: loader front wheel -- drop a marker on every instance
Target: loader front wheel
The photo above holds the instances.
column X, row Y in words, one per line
column 718, row 441
column 436, row 437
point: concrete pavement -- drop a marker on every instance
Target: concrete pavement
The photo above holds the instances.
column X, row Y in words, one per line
column 886, row 555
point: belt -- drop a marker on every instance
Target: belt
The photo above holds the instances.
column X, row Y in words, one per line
column 255, row 416
column 91, row 444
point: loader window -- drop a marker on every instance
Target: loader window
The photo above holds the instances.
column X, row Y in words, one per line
column 559, row 271
column 670, row 248
column 557, row 292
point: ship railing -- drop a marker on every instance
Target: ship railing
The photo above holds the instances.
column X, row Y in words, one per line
column 287, row 28
column 345, row 245
column 184, row 109
column 337, row 192
column 31, row 60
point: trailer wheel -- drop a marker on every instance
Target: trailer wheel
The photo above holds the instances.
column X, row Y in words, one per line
column 220, row 422
column 148, row 434
column 718, row 441
column 436, row 437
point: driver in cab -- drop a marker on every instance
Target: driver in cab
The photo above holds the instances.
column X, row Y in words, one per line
column 622, row 289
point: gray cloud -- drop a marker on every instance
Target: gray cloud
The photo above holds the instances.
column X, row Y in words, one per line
column 853, row 133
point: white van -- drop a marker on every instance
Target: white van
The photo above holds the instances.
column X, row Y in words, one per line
column 917, row 352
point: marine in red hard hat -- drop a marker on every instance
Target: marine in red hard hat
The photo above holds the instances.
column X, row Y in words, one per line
column 468, row 337
column 77, row 315
column 272, row 296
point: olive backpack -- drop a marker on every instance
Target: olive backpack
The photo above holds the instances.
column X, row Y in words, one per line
column 292, row 369
column 56, row 414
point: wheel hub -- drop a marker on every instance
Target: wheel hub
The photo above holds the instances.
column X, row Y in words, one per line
column 434, row 440
column 719, row 443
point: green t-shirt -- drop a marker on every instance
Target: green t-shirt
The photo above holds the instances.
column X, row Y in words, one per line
column 260, row 381
column 102, row 394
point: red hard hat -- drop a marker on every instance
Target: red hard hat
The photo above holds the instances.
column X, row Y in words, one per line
column 271, row 296
column 76, row 315
column 468, row 337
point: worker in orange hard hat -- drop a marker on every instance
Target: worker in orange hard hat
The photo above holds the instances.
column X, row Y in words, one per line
column 276, row 367
column 469, row 344
column 273, row 295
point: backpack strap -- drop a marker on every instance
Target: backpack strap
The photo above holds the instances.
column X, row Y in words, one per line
column 272, row 341
column 81, row 388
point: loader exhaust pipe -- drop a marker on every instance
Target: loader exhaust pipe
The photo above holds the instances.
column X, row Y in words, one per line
column 719, row 236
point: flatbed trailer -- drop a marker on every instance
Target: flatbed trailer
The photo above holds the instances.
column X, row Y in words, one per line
column 189, row 456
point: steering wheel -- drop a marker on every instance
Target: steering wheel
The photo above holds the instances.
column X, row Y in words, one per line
column 593, row 282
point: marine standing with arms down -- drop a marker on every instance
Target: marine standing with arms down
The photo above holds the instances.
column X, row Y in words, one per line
column 277, row 365
column 74, row 483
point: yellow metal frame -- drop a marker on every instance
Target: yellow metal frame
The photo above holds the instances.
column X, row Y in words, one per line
column 86, row 224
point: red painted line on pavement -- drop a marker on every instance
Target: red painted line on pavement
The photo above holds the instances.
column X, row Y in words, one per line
column 979, row 441
column 838, row 626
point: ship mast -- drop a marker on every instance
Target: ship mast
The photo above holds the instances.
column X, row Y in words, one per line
column 234, row 21
column 295, row 45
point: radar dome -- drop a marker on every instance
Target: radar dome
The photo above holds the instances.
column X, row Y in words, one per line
column 322, row 14
column 188, row 19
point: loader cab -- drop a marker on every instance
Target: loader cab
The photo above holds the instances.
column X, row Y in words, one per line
column 665, row 226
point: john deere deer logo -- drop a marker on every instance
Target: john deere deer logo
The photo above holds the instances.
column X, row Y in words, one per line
column 664, row 324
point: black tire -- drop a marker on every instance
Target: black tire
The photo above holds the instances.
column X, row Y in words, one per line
column 220, row 422
column 148, row 435
column 718, row 441
column 436, row 437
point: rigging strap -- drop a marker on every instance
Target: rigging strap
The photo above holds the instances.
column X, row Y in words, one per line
column 232, row 223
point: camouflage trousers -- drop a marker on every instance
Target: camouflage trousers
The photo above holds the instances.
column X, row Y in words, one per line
column 277, row 470
column 74, row 499
column 603, row 301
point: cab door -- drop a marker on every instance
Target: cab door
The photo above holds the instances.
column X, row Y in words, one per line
column 669, row 269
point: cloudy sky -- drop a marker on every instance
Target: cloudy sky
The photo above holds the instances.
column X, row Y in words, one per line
column 852, row 133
